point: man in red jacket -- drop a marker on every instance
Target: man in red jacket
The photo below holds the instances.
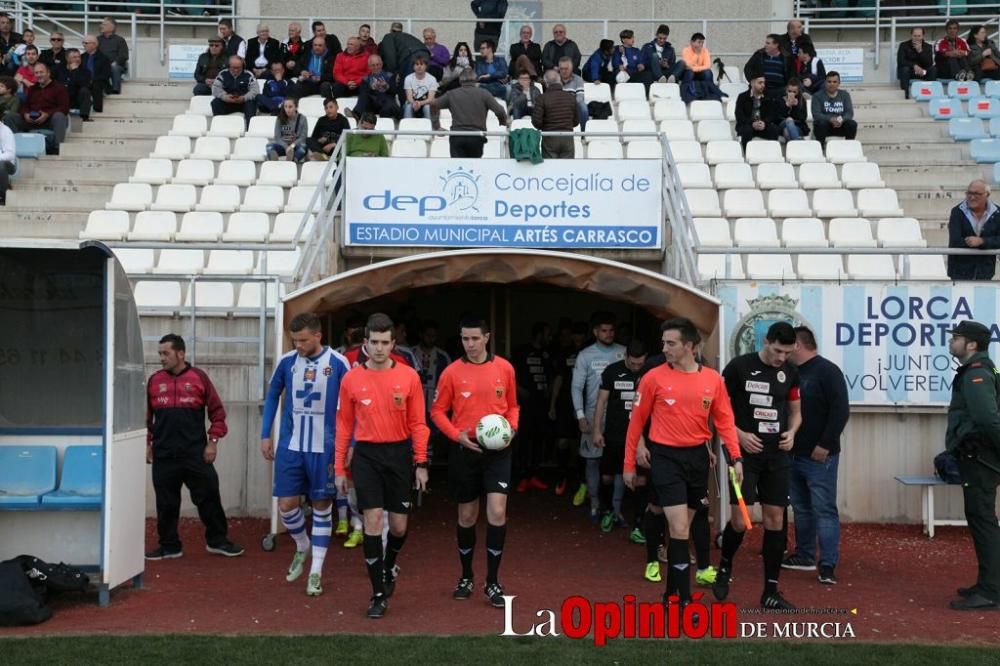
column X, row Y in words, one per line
column 349, row 69
column 182, row 453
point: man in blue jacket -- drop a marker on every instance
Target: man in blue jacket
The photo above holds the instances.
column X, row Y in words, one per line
column 661, row 57
column 974, row 223
column 627, row 58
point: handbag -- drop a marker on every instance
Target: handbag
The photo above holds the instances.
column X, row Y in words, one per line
column 989, row 65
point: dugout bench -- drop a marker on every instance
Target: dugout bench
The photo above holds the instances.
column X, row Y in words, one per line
column 927, row 484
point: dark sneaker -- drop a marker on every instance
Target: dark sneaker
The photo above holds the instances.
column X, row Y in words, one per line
column 826, row 575
column 377, row 607
column 161, row 554
column 774, row 601
column 967, row 591
column 798, row 563
column 720, row 588
column 228, row 549
column 975, row 602
column 494, row 592
column 389, row 580
column 463, row 590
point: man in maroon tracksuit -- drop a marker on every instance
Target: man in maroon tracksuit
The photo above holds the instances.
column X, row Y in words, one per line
column 182, row 453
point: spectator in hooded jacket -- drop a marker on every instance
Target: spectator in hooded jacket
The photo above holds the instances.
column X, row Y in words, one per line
column 915, row 61
column 662, row 58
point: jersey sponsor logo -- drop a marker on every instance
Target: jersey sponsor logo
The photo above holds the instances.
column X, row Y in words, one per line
column 768, row 427
column 670, row 401
column 327, row 371
column 628, row 405
column 536, row 369
column 624, row 386
column 466, row 394
column 781, row 376
column 599, row 364
column 366, row 402
column 754, row 373
column 498, row 390
column 766, row 414
column 706, row 403
column 162, row 400
column 977, row 380
column 627, row 395
column 188, row 387
column 163, row 388
column 397, row 399
column 502, row 484
column 761, row 400
column 406, row 505
column 541, row 379
column 310, row 375
column 757, row 387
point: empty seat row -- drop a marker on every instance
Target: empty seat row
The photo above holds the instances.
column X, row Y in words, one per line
column 782, row 203
column 819, row 267
column 944, row 108
column 215, row 148
column 136, row 261
column 159, row 171
column 924, row 91
column 759, row 152
column 201, row 105
column 29, row 479
column 850, row 232
column 771, row 175
column 214, row 198
column 211, row 296
column 161, row 226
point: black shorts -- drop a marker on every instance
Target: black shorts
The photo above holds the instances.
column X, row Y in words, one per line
column 765, row 479
column 382, row 476
column 678, row 475
column 613, row 458
column 471, row 474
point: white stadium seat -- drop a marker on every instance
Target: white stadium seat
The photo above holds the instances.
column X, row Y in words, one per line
column 210, row 295
column 643, row 150
column 604, row 150
column 111, row 225
column 899, row 232
column 731, row 110
column 154, row 171
column 703, row 203
column 761, row 152
column 821, row 267
column 282, row 174
column 194, row 172
column 834, row 203
column 157, row 294
column 178, row 198
column 312, row 172
column 494, row 148
column 733, row 89
column 630, row 91
column 816, row 175
column 345, row 103
column 219, row 199
column 211, row 148
column 521, row 123
column 596, row 92
column 770, row 267
column 755, row 232
column 803, row 232
column 261, row 126
column 714, row 130
column 250, row 294
column 851, row 232
column 659, row 91
column 713, row 232
column 263, row 199
column 200, row 105
column 250, row 148
column 189, row 125
column 858, row 175
column 870, row 267
column 154, row 225
column 684, row 151
column 440, row 147
column 696, row 175
column 299, row 198
column 135, row 260
column 840, row 152
column 180, row 261
column 743, row 203
column 800, row 152
column 788, row 203
column 669, row 109
column 279, row 262
column 600, row 127
column 415, row 125
column 312, row 106
column 171, row 148
column 773, row 175
column 717, row 152
column 236, row 172
column 287, row 224
column 926, row 267
column 200, row 227
column 247, row 228
column 632, row 127
column 713, row 267
column 130, row 196
column 408, row 148
column 735, row 175
column 678, row 130
column 879, row 203
column 634, row 110
column 231, row 126
column 230, row 262
column 705, row 110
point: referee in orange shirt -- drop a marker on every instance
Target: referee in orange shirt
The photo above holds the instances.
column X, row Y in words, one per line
column 680, row 396
column 382, row 408
column 475, row 385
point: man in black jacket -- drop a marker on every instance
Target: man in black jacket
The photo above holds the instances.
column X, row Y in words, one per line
column 315, row 67
column 915, row 60
column 99, row 68
column 332, row 43
column 210, row 63
column 488, row 9
column 527, row 48
column 232, row 44
column 263, row 50
column 776, row 66
column 754, row 110
column 974, row 223
column 78, row 83
column 793, row 38
column 234, row 90
column 398, row 49
column 55, row 57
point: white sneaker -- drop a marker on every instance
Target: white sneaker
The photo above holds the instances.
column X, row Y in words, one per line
column 296, row 567
column 314, row 587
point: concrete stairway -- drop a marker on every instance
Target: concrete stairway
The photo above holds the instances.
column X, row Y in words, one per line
column 53, row 195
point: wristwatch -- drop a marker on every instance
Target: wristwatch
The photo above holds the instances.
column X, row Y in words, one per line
column 421, row 465
column 737, row 460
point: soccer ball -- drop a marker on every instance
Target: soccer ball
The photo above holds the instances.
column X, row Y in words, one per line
column 493, row 432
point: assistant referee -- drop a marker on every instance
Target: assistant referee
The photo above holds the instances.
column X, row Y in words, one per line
column 679, row 397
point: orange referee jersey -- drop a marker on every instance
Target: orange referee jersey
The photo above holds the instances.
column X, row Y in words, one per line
column 680, row 404
column 470, row 391
column 381, row 406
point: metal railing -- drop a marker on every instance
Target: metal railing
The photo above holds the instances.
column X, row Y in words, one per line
column 328, row 202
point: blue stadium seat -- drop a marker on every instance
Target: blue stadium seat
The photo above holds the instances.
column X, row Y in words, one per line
column 984, row 107
column 82, row 480
column 996, row 172
column 966, row 129
column 963, row 89
column 26, row 473
column 992, row 89
column 994, row 126
column 29, row 144
column 923, row 91
column 985, row 150
column 943, row 108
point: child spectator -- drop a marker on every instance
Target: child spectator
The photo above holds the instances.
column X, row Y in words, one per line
column 290, row 133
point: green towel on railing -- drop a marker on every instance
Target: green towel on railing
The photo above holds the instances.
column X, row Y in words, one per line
column 526, row 145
